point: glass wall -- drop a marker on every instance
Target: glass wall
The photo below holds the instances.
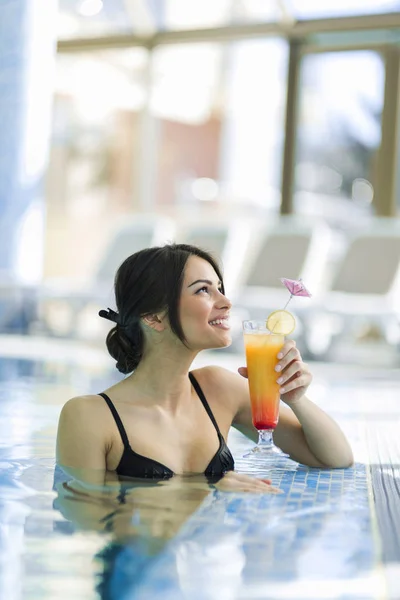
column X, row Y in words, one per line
column 252, row 143
column 188, row 121
column 186, row 104
column 92, row 176
column 217, row 128
column 338, row 135
column 313, row 9
column 213, row 118
column 91, row 18
column 220, row 111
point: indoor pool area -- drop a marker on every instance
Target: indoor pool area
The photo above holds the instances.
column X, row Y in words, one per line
column 172, row 175
column 330, row 534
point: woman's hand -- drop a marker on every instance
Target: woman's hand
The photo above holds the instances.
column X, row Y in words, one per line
column 292, row 375
column 236, row 482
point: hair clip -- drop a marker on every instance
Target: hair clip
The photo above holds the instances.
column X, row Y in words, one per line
column 110, row 315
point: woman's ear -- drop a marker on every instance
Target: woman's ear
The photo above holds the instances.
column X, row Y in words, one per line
column 155, row 321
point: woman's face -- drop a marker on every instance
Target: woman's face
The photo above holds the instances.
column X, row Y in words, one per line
column 203, row 309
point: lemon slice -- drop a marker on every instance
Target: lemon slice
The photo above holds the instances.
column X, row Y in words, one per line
column 281, row 322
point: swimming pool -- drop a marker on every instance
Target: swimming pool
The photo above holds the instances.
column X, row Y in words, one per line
column 319, row 539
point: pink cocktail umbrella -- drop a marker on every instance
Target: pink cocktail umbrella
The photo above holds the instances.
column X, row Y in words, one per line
column 296, row 288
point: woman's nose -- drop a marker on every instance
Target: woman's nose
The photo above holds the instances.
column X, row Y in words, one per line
column 223, row 301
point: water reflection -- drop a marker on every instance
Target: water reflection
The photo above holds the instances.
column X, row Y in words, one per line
column 130, row 508
column 139, row 519
column 13, row 517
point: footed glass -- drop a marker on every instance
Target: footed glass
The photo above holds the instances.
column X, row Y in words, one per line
column 262, row 348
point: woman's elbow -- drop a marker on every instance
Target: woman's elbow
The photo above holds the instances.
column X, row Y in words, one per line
column 342, row 462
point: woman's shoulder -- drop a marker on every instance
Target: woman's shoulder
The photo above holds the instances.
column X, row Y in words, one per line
column 216, row 374
column 82, row 407
column 82, row 438
column 78, row 403
column 220, row 383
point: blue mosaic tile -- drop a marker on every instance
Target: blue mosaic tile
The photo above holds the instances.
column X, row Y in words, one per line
column 252, row 546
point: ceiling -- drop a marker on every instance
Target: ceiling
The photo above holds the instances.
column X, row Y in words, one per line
column 95, row 18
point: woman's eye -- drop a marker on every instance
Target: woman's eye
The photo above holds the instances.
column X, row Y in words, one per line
column 206, row 289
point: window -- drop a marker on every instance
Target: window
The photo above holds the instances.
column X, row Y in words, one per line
column 341, row 99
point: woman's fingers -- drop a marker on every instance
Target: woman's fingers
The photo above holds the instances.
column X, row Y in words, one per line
column 299, row 382
column 296, row 367
column 287, row 346
column 268, row 489
column 292, row 355
column 243, row 483
column 246, row 478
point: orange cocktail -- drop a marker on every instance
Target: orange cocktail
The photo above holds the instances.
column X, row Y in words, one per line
column 262, row 348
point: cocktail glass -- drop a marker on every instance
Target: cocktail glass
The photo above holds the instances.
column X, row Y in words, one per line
column 262, row 348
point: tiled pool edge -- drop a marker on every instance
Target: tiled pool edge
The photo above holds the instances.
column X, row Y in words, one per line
column 384, row 461
column 376, row 535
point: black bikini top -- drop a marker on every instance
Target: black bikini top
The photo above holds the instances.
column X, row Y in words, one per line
column 133, row 464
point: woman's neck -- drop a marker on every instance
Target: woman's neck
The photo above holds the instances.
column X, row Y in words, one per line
column 162, row 377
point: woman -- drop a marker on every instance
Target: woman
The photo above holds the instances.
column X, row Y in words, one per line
column 164, row 420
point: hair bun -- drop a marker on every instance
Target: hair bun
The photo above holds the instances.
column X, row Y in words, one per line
column 125, row 348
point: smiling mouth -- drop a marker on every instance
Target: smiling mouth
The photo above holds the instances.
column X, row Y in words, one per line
column 221, row 323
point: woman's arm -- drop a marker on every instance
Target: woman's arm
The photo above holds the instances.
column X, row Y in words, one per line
column 308, row 435
column 81, row 445
column 304, row 431
column 322, row 434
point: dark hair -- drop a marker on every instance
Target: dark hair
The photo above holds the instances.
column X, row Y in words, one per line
column 147, row 282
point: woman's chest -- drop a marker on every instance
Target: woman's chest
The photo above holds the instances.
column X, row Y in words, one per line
column 184, row 443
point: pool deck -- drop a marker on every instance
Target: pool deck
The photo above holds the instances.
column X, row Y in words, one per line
column 332, row 534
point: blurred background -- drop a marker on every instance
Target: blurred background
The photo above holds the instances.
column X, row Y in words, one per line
column 265, row 131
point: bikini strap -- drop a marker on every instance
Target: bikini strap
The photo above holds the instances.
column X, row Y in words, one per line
column 117, row 419
column 202, row 397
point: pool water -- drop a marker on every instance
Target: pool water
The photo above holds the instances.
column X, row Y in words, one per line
column 180, row 540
